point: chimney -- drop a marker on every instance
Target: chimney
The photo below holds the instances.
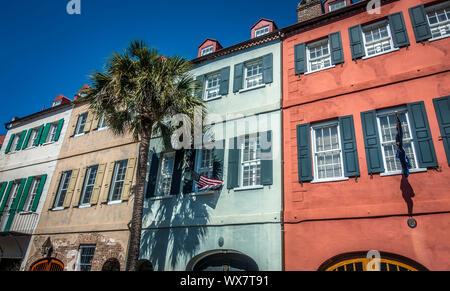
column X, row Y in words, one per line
column 308, row 9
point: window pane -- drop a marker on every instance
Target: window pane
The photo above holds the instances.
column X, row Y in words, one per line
column 327, row 152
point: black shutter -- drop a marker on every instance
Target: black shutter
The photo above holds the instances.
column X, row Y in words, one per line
column 233, row 164
column 356, row 42
column 153, row 175
column 304, row 153
column 348, row 143
column 238, row 81
column 219, row 152
column 200, row 86
column 265, row 140
column 188, row 181
column 442, row 107
column 398, row 30
column 300, row 58
column 224, row 81
column 267, row 63
column 177, row 173
column 374, row 156
column 419, row 23
column 337, row 53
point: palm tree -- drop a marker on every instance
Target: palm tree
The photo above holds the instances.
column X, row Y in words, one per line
column 138, row 92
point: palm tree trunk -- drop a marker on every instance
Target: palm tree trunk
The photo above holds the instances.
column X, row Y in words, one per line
column 136, row 219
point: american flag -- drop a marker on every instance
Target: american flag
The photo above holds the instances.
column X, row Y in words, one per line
column 204, row 183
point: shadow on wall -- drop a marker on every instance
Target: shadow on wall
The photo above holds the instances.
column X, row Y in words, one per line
column 408, row 194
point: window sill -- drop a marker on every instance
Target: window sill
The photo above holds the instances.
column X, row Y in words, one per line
column 114, row 202
column 58, row 208
column 379, row 54
column 84, row 206
column 212, row 99
column 439, row 38
column 168, row 197
column 27, row 213
column 329, row 180
column 309, row 73
column 80, row 134
column 47, row 143
column 401, row 173
column 206, row 193
column 252, row 88
column 102, row 128
column 249, row 188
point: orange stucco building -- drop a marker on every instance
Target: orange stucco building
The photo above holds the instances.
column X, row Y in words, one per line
column 346, row 73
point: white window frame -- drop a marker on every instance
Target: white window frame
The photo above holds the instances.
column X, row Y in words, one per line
column 389, row 38
column 15, row 143
column 33, row 137
column 440, row 24
column 51, row 133
column 210, row 77
column 390, row 111
column 262, row 31
column 168, row 176
column 86, row 184
column 61, row 188
column 206, row 171
column 314, row 128
column 80, row 125
column 315, row 44
column 32, row 194
column 115, row 181
column 252, row 163
column 6, row 211
column 207, row 50
column 56, row 103
column 336, row 5
column 102, row 125
column 80, row 253
column 258, row 77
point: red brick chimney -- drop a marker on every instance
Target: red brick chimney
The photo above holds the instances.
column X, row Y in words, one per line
column 308, row 9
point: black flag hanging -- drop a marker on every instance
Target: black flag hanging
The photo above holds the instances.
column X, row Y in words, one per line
column 401, row 154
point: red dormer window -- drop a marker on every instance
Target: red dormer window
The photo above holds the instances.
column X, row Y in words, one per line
column 332, row 5
column 209, row 46
column 60, row 100
column 262, row 27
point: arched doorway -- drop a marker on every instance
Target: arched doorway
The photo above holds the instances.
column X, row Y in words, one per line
column 48, row 265
column 223, row 260
column 358, row 262
column 111, row 265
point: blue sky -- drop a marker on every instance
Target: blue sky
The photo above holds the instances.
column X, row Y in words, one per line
column 45, row 51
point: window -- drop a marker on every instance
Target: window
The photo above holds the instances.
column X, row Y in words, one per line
column 251, row 162
column 212, row 86
column 336, row 5
column 6, row 212
column 253, row 74
column 377, row 38
column 120, row 170
column 439, row 21
column 204, row 163
column 85, row 256
column 62, row 189
column 33, row 137
column 51, row 133
column 388, row 131
column 102, row 123
column 31, row 196
column 56, row 103
column 14, row 143
column 326, row 144
column 207, row 50
column 318, row 54
column 164, row 181
column 81, row 123
column 262, row 31
column 88, row 185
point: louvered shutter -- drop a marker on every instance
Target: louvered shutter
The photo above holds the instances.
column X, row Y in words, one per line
column 304, row 156
column 98, row 184
column 300, row 58
column 348, row 144
column 39, row 193
column 238, row 82
column 419, row 22
column 267, row 65
column 224, row 81
column 356, row 42
column 398, row 30
column 129, row 176
column 442, row 108
column 71, row 188
column 374, row 156
column 337, row 52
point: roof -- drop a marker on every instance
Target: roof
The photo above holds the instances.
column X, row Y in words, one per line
column 211, row 39
column 2, row 139
column 264, row 19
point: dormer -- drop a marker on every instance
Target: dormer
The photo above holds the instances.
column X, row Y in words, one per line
column 80, row 93
column 262, row 27
column 209, row 46
column 60, row 100
column 332, row 5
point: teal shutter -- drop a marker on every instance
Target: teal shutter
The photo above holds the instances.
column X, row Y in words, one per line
column 267, row 64
column 177, row 173
column 356, row 42
column 21, row 139
column 219, row 152
column 442, row 108
column 12, row 211
column 224, row 81
column 39, row 193
column 238, row 82
column 27, row 139
column 200, row 88
column 266, row 158
column 58, row 130
column 5, row 198
column 25, row 194
column 153, row 175
column 398, row 30
column 11, row 139
column 304, row 156
column 419, row 23
column 374, row 156
column 300, row 58
column 337, row 53
column 348, row 143
column 3, row 186
column 423, row 140
column 39, row 134
column 233, row 164
column 44, row 135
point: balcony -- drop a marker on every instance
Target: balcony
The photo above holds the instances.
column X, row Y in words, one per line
column 23, row 223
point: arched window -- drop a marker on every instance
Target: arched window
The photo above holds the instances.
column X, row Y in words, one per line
column 222, row 261
column 144, row 265
column 48, row 265
column 358, row 261
column 111, row 265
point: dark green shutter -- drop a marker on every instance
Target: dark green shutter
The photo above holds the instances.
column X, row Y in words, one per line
column 58, row 130
column 25, row 194
column 304, row 157
column 27, row 139
column 12, row 211
column 419, row 23
column 39, row 134
column 442, row 108
column 11, row 139
column 238, row 81
column 188, row 181
column 337, row 53
column 39, row 193
column 153, row 175
column 267, row 64
column 266, row 158
column 374, row 156
column 21, row 139
column 423, row 140
column 233, row 164
column 224, row 81
column 177, row 173
column 300, row 58
column 3, row 186
column 45, row 133
column 200, row 86
column 398, row 30
column 5, row 198
column 219, row 152
column 348, row 143
column 356, row 42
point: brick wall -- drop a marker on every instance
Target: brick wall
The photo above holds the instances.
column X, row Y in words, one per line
column 308, row 9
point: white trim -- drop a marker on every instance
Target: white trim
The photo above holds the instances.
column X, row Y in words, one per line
column 263, row 29
column 439, row 38
column 58, row 208
column 207, row 50
column 167, row 197
column 379, row 54
column 114, row 202
column 418, row 170
column 330, row 180
column 256, row 187
column 84, row 206
column 323, row 69
column 252, row 88
column 315, row 44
